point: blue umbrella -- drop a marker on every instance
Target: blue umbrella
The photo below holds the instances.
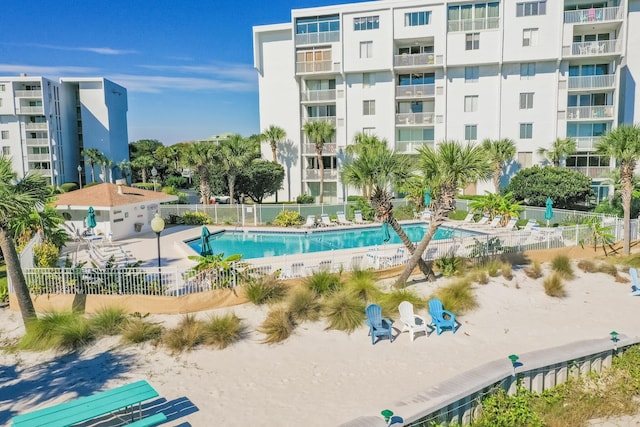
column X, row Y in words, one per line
column 548, row 213
column 205, row 244
column 91, row 218
column 385, row 232
column 427, row 198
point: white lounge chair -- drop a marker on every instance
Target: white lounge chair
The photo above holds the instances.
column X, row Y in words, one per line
column 311, row 222
column 469, row 218
column 358, row 218
column 511, row 224
column 411, row 322
column 342, row 219
column 325, row 221
column 495, row 222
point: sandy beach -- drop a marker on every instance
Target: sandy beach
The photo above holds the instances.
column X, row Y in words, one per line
column 318, row 377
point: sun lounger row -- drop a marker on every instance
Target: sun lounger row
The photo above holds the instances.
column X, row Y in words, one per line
column 325, row 220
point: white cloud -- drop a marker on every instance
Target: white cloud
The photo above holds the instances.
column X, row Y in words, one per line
column 228, row 70
column 98, row 50
column 47, row 71
column 157, row 84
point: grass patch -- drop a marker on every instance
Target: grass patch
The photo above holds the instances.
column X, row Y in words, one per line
column 265, row 289
column 137, row 330
column 554, row 287
column 610, row 269
column 344, row 311
column 222, row 331
column 323, row 282
column 390, row 302
column 507, row 270
column 303, row 304
column 479, row 276
column 108, row 321
column 187, row 335
column 278, row 326
column 457, row 297
column 57, row 330
column 561, row 264
column 362, row 284
column 534, row 271
column 587, row 266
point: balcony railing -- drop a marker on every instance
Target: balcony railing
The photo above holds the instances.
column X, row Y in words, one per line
column 38, row 157
column 28, row 94
column 416, row 60
column 37, row 141
column 586, row 142
column 36, row 126
column 411, row 147
column 474, row 24
column 601, row 14
column 592, row 171
column 317, row 67
column 31, row 110
column 593, row 112
column 45, row 172
column 328, row 119
column 315, row 38
column 415, row 91
column 415, row 118
column 327, row 148
column 314, row 174
column 604, row 47
column 319, row 95
column 591, row 82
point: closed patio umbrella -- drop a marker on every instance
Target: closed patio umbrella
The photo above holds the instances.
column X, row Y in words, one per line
column 427, row 198
column 548, row 213
column 91, row 218
column 205, row 244
column 386, row 236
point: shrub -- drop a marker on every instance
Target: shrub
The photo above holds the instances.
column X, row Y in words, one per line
column 587, row 266
column 278, row 326
column 108, row 321
column 176, row 181
column 56, row 330
column 362, row 284
column 404, row 212
column 390, row 301
column 534, row 271
column 609, row 269
column 448, row 265
column 46, row 255
column 553, row 286
column 303, row 305
column 222, row 331
column 187, row 335
column 69, row 186
column 305, row 199
column 344, row 311
column 355, row 198
column 143, row 185
column 288, row 219
column 457, row 297
column 561, row 264
column 76, row 333
column 507, row 270
column 138, row 330
column 501, row 409
column 323, row 282
column 265, row 289
column 195, row 218
column 480, row 276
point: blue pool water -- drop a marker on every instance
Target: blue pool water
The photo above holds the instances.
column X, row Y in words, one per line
column 267, row 244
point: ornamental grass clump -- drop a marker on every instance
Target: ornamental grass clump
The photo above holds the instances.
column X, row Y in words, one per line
column 222, row 331
column 362, row 284
column 534, row 271
column 561, row 264
column 507, row 270
column 265, row 289
column 607, row 268
column 108, row 321
column 137, row 330
column 344, row 311
column 457, row 297
column 479, row 276
column 323, row 282
column 187, row 335
column 278, row 326
column 390, row 301
column 304, row 305
column 554, row 287
column 587, row 266
column 57, row 330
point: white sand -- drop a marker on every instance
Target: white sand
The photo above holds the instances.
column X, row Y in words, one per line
column 317, row 377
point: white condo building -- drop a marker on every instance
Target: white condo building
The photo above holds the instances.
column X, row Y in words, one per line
column 416, row 72
column 45, row 125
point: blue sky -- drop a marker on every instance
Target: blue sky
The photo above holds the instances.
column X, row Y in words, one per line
column 187, row 64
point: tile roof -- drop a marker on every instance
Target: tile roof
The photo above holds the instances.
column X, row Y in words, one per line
column 107, row 195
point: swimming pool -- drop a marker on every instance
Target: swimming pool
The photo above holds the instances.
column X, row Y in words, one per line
column 261, row 244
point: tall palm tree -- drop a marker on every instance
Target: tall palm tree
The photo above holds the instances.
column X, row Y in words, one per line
column 319, row 133
column 94, row 156
column 125, row 168
column 560, row 149
column 501, row 153
column 623, row 144
column 142, row 163
column 199, row 156
column 236, row 153
column 273, row 135
column 445, row 169
column 18, row 198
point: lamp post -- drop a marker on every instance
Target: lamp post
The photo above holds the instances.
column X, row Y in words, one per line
column 80, row 176
column 157, row 225
column 154, row 173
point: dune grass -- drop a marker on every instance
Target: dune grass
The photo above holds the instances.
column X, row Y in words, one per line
column 587, row 266
column 222, row 331
column 57, row 330
column 561, row 264
column 344, row 311
column 137, row 330
column 534, row 270
column 265, row 289
column 189, row 334
column 323, row 282
column 506, row 269
column 554, row 287
column 457, row 297
column 108, row 321
column 390, row 301
column 362, row 284
column 278, row 326
column 304, row 305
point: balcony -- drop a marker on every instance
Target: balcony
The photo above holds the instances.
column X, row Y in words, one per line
column 314, row 174
column 37, row 141
column 590, row 16
column 28, row 93
column 327, row 148
column 473, row 24
column 416, row 60
column 411, row 119
column 592, row 171
column 586, row 142
column 44, row 172
column 317, row 67
column 328, row 119
column 590, row 113
column 411, row 147
column 36, row 126
column 31, row 110
column 318, row 95
column 592, row 82
column 38, row 157
column 604, row 47
column 317, row 38
column 416, row 91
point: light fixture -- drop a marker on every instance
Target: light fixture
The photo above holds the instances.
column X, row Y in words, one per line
column 157, row 225
column 80, row 175
column 514, row 362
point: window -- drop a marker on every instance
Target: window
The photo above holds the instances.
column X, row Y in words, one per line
column 472, row 41
column 0, row 102
column 471, row 74
column 313, row 60
column 416, row 79
column 318, row 24
column 525, row 159
column 368, row 107
column 368, row 79
column 2, row 87
column 470, row 103
column 366, row 23
column 531, row 8
column 477, row 16
column 471, row 132
column 5, row 134
column 527, row 70
column 413, row 19
column 369, row 131
column 530, row 37
column 366, row 49
column 526, row 101
column 526, row 130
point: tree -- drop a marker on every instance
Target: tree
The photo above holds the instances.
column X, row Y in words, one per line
column 260, row 179
column 125, row 168
column 273, row 135
column 560, row 149
column 144, row 147
column 623, row 144
column 94, row 156
column 501, row 153
column 566, row 187
column 45, row 222
column 199, row 156
column 235, row 154
column 319, row 133
column 361, row 166
column 142, row 163
column 17, row 199
column 445, row 169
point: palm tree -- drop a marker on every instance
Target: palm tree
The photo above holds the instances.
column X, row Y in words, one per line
column 501, row 153
column 319, row 133
column 273, row 135
column 623, row 144
column 18, row 198
column 445, row 169
column 236, row 153
column 94, row 156
column 560, row 149
column 125, row 168
column 199, row 156
column 143, row 163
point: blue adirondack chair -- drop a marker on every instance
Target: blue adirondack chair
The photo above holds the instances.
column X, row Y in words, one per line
column 378, row 326
column 440, row 318
column 635, row 284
